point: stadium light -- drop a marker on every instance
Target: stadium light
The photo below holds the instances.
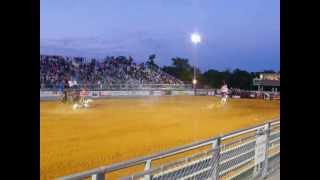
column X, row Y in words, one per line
column 194, row 81
column 195, row 38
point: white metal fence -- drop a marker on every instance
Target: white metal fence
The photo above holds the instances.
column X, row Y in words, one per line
column 244, row 154
column 128, row 87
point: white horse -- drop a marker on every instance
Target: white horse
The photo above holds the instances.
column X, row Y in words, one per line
column 224, row 90
column 224, row 99
column 266, row 96
column 84, row 104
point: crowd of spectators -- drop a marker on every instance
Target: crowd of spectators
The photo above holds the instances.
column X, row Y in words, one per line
column 55, row 70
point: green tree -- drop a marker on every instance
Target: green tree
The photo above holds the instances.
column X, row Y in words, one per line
column 150, row 63
column 213, row 78
column 240, row 79
column 269, row 71
column 130, row 60
column 226, row 77
column 180, row 68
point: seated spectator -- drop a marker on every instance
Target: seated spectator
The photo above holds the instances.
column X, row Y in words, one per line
column 55, row 69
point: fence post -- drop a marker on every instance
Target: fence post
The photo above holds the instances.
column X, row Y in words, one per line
column 147, row 167
column 261, row 151
column 216, row 158
column 98, row 176
column 265, row 166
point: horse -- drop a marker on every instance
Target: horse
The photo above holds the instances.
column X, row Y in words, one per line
column 224, row 99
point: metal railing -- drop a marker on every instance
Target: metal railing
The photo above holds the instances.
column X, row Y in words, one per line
column 247, row 153
column 130, row 87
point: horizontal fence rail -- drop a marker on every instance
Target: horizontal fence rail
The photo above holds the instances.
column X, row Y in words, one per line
column 247, row 153
column 56, row 94
column 127, row 87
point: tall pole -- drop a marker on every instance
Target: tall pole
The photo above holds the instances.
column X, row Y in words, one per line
column 194, row 78
column 195, row 38
column 194, row 81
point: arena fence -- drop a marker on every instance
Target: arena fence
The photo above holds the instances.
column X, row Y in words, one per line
column 249, row 153
column 130, row 87
column 55, row 94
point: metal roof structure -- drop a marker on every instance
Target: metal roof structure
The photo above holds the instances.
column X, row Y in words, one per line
column 263, row 82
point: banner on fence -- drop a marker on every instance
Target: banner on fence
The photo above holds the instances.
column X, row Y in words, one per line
column 139, row 93
column 202, row 92
column 210, row 93
column 124, row 93
column 188, row 93
column 158, row 93
column 46, row 94
column 235, row 97
column 94, row 94
column 114, row 93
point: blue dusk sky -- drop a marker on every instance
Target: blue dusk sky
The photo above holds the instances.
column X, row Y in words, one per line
column 241, row 34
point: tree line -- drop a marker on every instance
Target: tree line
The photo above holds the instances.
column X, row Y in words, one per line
column 181, row 69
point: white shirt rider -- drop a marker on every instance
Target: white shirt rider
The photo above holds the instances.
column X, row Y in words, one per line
column 224, row 89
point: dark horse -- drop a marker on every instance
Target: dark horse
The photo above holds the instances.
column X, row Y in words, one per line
column 71, row 96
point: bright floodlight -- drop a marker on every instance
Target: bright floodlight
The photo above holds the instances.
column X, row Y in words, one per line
column 195, row 38
column 194, row 81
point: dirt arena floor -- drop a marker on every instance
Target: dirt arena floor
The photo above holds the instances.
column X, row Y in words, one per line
column 114, row 130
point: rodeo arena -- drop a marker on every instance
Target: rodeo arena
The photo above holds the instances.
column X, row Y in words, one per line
column 117, row 119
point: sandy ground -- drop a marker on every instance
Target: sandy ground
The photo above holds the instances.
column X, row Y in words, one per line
column 114, row 130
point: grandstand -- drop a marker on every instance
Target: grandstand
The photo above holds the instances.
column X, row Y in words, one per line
column 105, row 73
column 268, row 81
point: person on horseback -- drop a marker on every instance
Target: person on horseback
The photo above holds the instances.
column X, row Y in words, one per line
column 64, row 89
column 83, row 95
column 224, row 93
column 82, row 101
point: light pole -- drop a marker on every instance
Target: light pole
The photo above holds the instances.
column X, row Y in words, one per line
column 195, row 39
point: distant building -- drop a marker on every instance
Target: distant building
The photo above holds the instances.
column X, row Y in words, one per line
column 267, row 82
